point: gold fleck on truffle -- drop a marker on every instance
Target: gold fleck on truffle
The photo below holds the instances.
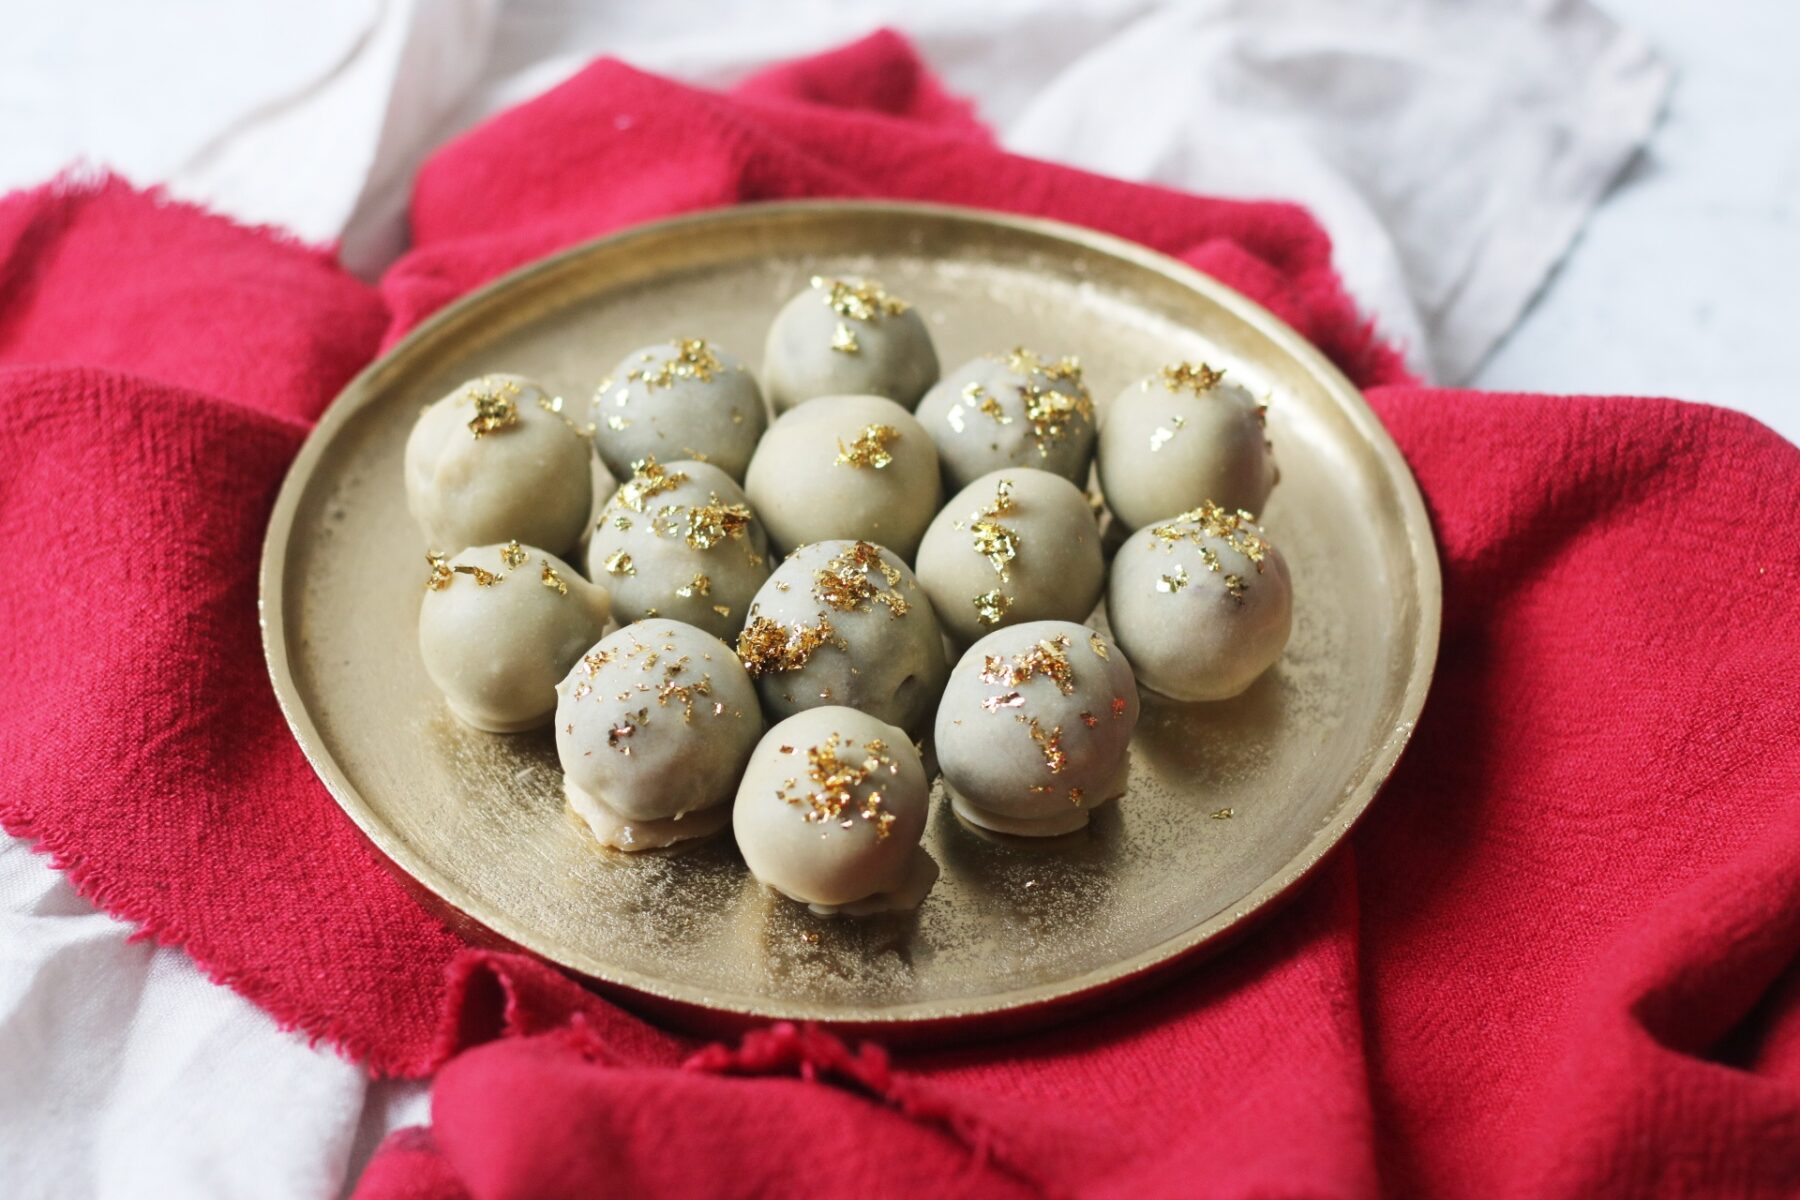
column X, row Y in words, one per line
column 843, row 340
column 1198, row 379
column 766, row 645
column 1174, row 582
column 648, row 479
column 991, row 606
column 846, row 584
column 860, row 299
column 513, row 554
column 699, row 585
column 1048, row 658
column 496, row 408
column 619, row 563
column 550, row 579
column 693, row 359
column 869, row 449
column 1097, row 644
column 835, row 781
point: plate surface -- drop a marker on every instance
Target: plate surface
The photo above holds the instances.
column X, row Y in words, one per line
column 1010, row 935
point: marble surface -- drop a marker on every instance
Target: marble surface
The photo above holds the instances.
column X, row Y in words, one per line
column 1683, row 283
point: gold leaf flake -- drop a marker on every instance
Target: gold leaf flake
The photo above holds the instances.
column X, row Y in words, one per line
column 848, row 581
column 835, row 776
column 550, row 579
column 496, row 407
column 767, row 646
column 693, row 359
column 991, row 606
column 859, row 299
column 1173, row 582
column 648, row 479
column 1198, row 379
column 513, row 554
column 843, row 340
column 619, row 563
column 1097, row 644
column 869, row 449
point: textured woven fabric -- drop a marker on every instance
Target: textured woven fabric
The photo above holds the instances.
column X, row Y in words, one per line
column 1558, row 958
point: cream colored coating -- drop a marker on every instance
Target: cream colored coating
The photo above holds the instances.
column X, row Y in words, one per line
column 1201, row 603
column 653, row 727
column 1011, row 410
column 1034, row 728
column 1168, row 444
column 678, row 540
column 497, row 636
column 686, row 399
column 525, row 476
column 882, row 654
column 846, row 467
column 831, row 810
column 816, row 350
column 1016, row 545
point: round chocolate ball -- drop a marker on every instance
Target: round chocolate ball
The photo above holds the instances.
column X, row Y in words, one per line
column 1181, row 438
column 496, row 459
column 848, row 337
column 1201, row 603
column 1015, row 545
column 680, row 541
column 499, row 625
column 830, row 813
column 846, row 467
column 686, row 399
column 1011, row 410
column 1034, row 728
column 845, row 623
column 653, row 727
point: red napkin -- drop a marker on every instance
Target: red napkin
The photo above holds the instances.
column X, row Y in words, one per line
column 1558, row 958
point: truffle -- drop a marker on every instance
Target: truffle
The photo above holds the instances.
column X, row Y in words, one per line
column 1182, row 437
column 653, row 726
column 845, row 623
column 679, row 541
column 846, row 467
column 1012, row 410
column 687, row 399
column 844, row 337
column 1034, row 728
column 1201, row 603
column 1015, row 545
column 499, row 625
column 830, row 813
column 498, row 458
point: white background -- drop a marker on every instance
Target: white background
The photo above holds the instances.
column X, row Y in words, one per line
column 123, row 1072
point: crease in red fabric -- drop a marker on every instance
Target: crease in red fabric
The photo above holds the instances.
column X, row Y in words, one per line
column 1557, row 959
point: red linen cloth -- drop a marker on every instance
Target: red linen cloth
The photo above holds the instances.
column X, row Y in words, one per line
column 1557, row 959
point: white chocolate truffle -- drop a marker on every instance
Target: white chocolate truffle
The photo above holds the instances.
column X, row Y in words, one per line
column 845, row 623
column 1016, row 545
column 687, row 399
column 846, row 467
column 830, row 813
column 496, row 459
column 1012, row 410
column 499, row 626
column 653, row 727
column 1034, row 729
column 1201, row 603
column 848, row 337
column 1181, row 438
column 679, row 541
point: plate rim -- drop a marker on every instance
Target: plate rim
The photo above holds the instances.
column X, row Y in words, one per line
column 1214, row 930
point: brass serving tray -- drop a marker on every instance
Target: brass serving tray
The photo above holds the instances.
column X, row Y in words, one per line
column 1011, row 935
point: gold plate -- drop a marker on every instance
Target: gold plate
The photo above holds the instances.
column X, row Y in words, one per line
column 1011, row 935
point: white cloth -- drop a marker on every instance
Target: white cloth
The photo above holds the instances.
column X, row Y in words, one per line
column 1452, row 149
